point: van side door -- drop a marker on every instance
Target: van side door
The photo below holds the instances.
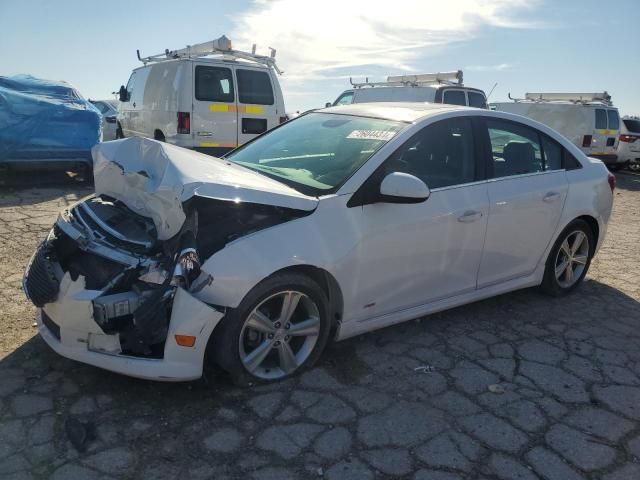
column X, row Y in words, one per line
column 214, row 125
column 257, row 106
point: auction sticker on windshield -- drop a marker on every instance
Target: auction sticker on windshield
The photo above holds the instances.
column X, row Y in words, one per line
column 372, row 134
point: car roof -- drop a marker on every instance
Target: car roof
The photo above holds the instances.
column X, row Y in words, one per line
column 397, row 111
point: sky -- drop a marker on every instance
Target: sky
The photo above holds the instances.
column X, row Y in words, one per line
column 522, row 45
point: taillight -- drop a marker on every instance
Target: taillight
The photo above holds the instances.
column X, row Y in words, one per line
column 184, row 122
column 284, row 119
column 586, row 140
column 629, row 138
column 612, row 181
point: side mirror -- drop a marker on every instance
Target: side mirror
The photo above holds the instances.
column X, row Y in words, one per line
column 123, row 94
column 328, row 104
column 398, row 187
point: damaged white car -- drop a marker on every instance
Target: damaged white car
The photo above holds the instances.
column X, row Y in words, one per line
column 339, row 222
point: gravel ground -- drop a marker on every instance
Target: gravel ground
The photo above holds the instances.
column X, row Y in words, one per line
column 521, row 386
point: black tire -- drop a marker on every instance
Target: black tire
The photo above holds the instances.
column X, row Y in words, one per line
column 119, row 133
column 224, row 349
column 550, row 284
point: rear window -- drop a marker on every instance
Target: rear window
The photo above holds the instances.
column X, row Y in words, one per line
column 254, row 87
column 214, row 84
column 477, row 100
column 454, row 97
column 632, row 125
column 601, row 119
column 614, row 119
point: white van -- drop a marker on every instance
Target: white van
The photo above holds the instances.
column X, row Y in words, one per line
column 209, row 103
column 443, row 87
column 589, row 120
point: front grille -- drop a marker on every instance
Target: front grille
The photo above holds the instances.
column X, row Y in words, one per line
column 41, row 284
column 51, row 325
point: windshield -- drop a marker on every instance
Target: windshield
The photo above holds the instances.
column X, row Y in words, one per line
column 316, row 153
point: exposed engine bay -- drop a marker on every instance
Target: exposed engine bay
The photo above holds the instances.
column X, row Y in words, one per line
column 130, row 276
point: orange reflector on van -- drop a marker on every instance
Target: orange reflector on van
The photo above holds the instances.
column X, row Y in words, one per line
column 186, row 340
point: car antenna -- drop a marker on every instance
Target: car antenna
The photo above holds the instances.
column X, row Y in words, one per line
column 492, row 89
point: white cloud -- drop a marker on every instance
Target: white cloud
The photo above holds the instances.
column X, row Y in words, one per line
column 488, row 68
column 317, row 39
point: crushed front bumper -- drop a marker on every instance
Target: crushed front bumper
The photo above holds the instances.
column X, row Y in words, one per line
column 67, row 316
column 77, row 337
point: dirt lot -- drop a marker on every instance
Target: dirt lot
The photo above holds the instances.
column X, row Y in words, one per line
column 520, row 386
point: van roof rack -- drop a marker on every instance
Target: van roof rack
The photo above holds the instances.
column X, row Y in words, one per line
column 446, row 78
column 219, row 46
column 573, row 97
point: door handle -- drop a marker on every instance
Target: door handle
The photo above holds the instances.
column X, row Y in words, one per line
column 470, row 216
column 551, row 196
column 134, row 104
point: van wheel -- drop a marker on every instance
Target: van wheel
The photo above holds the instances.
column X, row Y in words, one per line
column 279, row 329
column 569, row 259
column 158, row 135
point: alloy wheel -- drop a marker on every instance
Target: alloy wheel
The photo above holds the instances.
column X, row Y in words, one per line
column 279, row 335
column 572, row 259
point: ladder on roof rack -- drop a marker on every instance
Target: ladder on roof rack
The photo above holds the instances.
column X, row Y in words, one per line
column 219, row 46
column 446, row 78
column 577, row 97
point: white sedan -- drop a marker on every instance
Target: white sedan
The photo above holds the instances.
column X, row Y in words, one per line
column 336, row 223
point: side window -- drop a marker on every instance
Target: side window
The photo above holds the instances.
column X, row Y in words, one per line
column 515, row 149
column 345, row 99
column 601, row 119
column 477, row 100
column 552, row 154
column 214, row 84
column 254, row 87
column 441, row 155
column 614, row 119
column 454, row 97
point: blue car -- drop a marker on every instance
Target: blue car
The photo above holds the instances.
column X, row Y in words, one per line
column 45, row 125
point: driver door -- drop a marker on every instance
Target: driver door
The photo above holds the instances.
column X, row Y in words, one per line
column 413, row 254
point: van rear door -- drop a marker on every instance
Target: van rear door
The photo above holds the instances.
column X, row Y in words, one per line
column 214, row 123
column 257, row 107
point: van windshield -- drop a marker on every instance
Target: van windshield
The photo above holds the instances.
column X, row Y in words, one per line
column 316, row 153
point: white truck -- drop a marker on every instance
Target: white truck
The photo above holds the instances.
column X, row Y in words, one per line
column 441, row 87
column 208, row 97
column 589, row 120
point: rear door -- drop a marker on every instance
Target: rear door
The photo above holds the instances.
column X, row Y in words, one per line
column 257, row 108
column 613, row 131
column 527, row 190
column 214, row 124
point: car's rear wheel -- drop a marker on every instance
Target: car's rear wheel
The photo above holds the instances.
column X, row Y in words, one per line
column 119, row 133
column 279, row 329
column 569, row 259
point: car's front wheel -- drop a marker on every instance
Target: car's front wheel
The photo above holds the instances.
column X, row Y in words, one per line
column 569, row 259
column 279, row 329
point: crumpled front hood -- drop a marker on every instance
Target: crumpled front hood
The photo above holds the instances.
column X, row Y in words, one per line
column 153, row 179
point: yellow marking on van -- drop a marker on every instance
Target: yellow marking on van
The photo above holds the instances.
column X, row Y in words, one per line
column 230, row 108
column 254, row 109
column 603, row 131
column 220, row 107
column 213, row 144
